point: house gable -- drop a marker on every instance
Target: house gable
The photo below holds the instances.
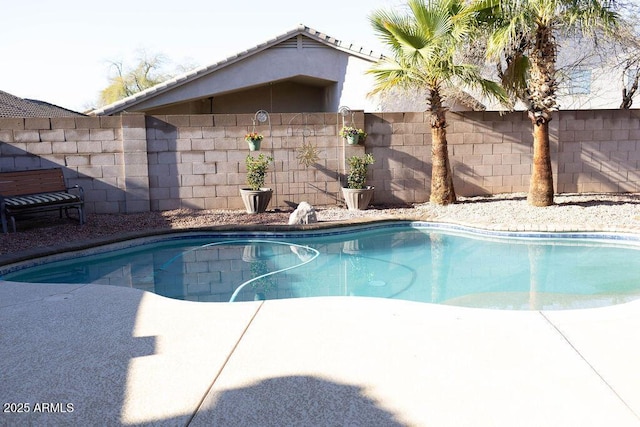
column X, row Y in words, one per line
column 301, row 64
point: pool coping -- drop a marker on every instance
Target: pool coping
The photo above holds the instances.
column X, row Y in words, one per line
column 11, row 258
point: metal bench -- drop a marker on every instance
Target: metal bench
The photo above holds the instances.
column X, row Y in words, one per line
column 40, row 190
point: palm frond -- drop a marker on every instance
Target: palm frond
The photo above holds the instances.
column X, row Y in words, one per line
column 380, row 20
column 514, row 76
column 424, row 44
column 471, row 77
column 523, row 29
column 432, row 22
column 590, row 16
column 389, row 73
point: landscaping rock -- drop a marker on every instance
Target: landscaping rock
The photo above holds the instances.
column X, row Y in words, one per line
column 304, row 214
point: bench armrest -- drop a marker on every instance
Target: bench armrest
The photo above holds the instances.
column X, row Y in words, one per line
column 80, row 190
column 3, row 216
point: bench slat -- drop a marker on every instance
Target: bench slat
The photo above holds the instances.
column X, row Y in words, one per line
column 31, row 182
column 17, row 202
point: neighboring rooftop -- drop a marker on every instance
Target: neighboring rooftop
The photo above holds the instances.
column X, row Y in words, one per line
column 13, row 106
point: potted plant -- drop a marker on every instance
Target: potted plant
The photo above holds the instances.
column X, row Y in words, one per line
column 253, row 139
column 353, row 135
column 357, row 194
column 256, row 198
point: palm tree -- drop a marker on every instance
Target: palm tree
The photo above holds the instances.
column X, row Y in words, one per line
column 523, row 34
column 424, row 44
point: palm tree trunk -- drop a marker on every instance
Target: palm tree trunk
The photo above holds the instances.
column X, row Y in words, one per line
column 442, row 191
column 542, row 95
column 541, row 185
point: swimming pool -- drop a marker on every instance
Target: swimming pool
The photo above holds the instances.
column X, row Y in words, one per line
column 415, row 261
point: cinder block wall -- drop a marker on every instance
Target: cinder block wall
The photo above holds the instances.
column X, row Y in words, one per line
column 133, row 163
column 198, row 161
column 599, row 151
column 89, row 149
column 490, row 153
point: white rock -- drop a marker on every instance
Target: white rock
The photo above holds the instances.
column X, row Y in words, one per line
column 304, row 214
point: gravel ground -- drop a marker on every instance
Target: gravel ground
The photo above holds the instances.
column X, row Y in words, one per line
column 606, row 212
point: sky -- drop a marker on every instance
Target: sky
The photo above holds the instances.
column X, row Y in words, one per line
column 60, row 51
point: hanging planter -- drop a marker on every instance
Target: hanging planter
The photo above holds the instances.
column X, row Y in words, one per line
column 353, row 139
column 254, row 144
column 253, row 140
column 353, row 135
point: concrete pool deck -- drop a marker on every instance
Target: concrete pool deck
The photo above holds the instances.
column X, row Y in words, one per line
column 101, row 355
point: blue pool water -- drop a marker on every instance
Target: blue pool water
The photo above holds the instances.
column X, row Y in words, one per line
column 411, row 261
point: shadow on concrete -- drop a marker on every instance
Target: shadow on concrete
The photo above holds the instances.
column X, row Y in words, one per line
column 56, row 350
column 294, row 400
column 89, row 355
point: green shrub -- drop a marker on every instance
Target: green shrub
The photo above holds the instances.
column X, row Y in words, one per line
column 257, row 170
column 358, row 170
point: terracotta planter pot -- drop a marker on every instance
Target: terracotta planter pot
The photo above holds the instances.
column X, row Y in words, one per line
column 357, row 199
column 256, row 201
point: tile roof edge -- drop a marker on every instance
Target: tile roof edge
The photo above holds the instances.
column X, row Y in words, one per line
column 12, row 106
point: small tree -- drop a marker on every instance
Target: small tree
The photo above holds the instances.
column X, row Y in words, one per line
column 148, row 72
column 257, row 170
column 357, row 177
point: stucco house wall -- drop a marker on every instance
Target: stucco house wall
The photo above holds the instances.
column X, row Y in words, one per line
column 301, row 70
